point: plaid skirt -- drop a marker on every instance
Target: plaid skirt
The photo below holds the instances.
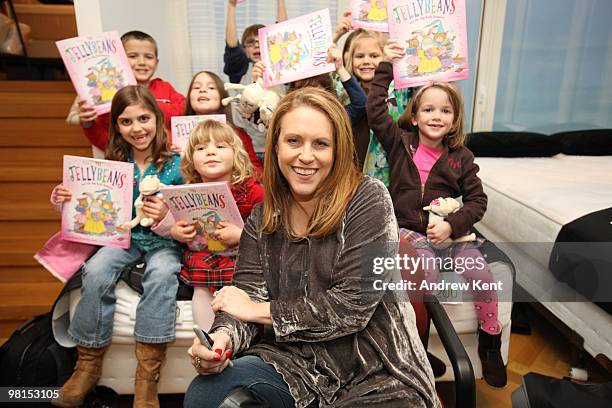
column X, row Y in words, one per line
column 207, row 269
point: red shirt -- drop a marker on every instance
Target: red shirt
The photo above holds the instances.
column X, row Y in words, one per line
column 169, row 100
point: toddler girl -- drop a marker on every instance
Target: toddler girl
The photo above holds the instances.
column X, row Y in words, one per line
column 206, row 91
column 428, row 159
column 214, row 153
column 137, row 136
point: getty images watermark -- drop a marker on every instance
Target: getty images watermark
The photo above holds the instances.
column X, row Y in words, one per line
column 411, row 264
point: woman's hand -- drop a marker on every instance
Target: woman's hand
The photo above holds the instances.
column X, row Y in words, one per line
column 213, row 361
column 237, row 303
column 154, row 207
column 344, row 26
column 87, row 113
column 258, row 70
column 393, row 51
column 183, row 232
column 60, row 195
column 439, row 231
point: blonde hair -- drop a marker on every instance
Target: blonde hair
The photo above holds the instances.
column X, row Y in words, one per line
column 335, row 192
column 118, row 148
column 363, row 34
column 455, row 138
column 215, row 131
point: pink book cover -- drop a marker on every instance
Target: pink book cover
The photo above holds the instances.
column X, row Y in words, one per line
column 183, row 125
column 296, row 48
column 204, row 205
column 369, row 14
column 98, row 67
column 101, row 201
column 434, row 35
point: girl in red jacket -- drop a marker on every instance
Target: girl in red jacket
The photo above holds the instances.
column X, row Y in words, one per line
column 206, row 91
column 427, row 160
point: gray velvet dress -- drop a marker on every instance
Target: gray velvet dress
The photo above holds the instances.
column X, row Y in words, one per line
column 334, row 338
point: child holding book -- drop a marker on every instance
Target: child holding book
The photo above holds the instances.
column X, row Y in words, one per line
column 239, row 57
column 356, row 97
column 428, row 159
column 214, row 153
column 204, row 96
column 238, row 60
column 138, row 136
column 141, row 50
column 364, row 54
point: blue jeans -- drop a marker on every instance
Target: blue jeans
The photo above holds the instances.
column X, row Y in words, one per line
column 250, row 372
column 92, row 323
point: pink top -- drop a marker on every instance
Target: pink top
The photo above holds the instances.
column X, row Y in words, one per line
column 424, row 158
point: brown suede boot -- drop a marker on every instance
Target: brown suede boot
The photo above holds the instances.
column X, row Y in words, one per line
column 150, row 358
column 84, row 378
column 489, row 351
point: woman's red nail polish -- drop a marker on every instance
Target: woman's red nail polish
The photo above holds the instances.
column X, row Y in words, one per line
column 228, row 354
column 219, row 352
column 217, row 358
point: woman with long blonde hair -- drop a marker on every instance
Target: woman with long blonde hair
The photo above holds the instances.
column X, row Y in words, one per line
column 306, row 311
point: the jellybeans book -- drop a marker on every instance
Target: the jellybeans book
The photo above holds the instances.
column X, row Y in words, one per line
column 369, row 14
column 205, row 206
column 296, row 48
column 101, row 201
column 183, row 125
column 434, row 36
column 98, row 67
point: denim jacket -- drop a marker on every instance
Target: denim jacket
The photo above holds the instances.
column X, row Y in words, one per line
column 333, row 337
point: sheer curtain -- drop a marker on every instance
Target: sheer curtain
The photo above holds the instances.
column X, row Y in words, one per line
column 206, row 21
column 556, row 66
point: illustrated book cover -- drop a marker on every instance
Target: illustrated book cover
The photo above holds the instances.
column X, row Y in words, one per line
column 369, row 14
column 101, row 201
column 296, row 48
column 434, row 35
column 98, row 67
column 204, row 205
column 183, row 125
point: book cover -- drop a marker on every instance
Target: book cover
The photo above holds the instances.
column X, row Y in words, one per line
column 296, row 48
column 183, row 125
column 434, row 35
column 101, row 201
column 369, row 14
column 98, row 67
column 204, row 205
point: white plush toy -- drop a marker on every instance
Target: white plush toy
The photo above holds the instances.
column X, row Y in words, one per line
column 251, row 98
column 149, row 185
column 438, row 209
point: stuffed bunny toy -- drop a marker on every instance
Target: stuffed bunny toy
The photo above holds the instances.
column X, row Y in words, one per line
column 251, row 98
column 438, row 209
column 149, row 185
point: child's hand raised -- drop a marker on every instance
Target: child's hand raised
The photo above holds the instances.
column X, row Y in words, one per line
column 154, row 207
column 229, row 234
column 258, row 70
column 344, row 26
column 60, row 195
column 87, row 113
column 393, row 51
column 334, row 55
column 183, row 232
column 439, row 231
